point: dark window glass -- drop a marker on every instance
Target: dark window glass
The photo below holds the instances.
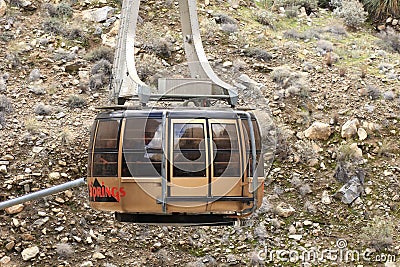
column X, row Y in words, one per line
column 226, row 159
column 142, row 148
column 107, row 134
column 105, row 164
column 105, row 154
column 189, row 154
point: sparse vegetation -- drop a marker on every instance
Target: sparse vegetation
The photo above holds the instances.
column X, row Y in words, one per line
column 54, row 26
column 42, row 109
column 32, row 125
column 64, row 250
column 75, row 101
column 379, row 233
column 5, row 108
column 101, row 52
column 293, row 82
column 61, row 10
column 258, row 53
column 309, row 5
column 373, row 92
column 266, row 18
column 390, row 40
column 352, row 12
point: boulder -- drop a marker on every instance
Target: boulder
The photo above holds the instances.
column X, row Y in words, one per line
column 362, row 134
column 349, row 129
column 284, row 210
column 29, row 253
column 98, row 14
column 318, row 131
column 15, row 209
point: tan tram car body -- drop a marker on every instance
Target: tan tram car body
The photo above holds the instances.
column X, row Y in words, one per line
column 175, row 166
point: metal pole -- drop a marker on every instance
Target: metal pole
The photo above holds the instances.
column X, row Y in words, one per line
column 42, row 193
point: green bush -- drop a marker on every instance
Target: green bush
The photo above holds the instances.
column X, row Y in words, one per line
column 381, row 9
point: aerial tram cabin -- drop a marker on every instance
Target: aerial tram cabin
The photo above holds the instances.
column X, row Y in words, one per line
column 176, row 166
column 193, row 166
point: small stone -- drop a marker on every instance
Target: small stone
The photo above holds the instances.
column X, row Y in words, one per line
column 5, row 260
column 362, row 134
column 15, row 209
column 387, row 173
column 37, row 149
column 87, row 264
column 326, row 199
column 27, row 237
column 318, row 130
column 307, row 223
column 350, row 128
column 381, row 27
column 368, row 190
column 54, row 175
column 29, row 253
column 10, row 245
column 292, row 229
column 8, row 157
column 3, row 169
column 98, row 256
column 296, row 237
column 60, row 115
column 15, row 222
column 395, row 22
column 227, row 64
column 357, row 152
column 285, row 210
column 157, row 245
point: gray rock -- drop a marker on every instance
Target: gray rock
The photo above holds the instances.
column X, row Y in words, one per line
column 99, row 14
column 388, row 95
column 3, row 86
column 350, row 128
column 34, row 75
column 352, row 189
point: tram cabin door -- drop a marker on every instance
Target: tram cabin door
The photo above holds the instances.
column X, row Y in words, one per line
column 205, row 162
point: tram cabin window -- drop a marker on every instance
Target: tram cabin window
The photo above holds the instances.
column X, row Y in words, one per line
column 189, row 150
column 105, row 156
column 226, row 154
column 142, row 148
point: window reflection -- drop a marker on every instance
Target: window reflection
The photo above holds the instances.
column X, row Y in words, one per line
column 189, row 154
column 142, row 148
column 226, row 161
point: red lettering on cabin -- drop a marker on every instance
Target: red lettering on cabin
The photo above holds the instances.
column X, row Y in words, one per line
column 102, row 193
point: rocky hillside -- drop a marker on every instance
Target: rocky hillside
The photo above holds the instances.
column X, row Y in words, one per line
column 332, row 91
